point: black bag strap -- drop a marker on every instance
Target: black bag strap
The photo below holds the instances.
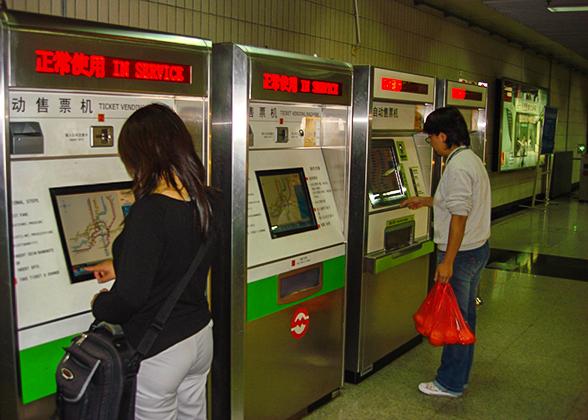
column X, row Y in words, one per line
column 165, row 311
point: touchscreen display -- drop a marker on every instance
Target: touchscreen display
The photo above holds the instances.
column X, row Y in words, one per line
column 89, row 218
column 386, row 186
column 286, row 201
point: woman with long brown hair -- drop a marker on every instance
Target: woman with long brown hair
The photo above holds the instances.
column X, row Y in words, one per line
column 169, row 221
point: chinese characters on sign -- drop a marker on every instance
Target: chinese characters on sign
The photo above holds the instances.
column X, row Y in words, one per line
column 385, row 112
column 19, row 105
column 44, row 104
column 293, row 84
column 98, row 66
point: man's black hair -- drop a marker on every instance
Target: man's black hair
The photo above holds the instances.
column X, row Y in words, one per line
column 448, row 120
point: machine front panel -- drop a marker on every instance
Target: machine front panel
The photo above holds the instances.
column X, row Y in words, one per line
column 281, row 200
column 296, row 255
column 75, row 138
column 284, row 374
column 378, row 223
column 263, row 290
column 391, row 298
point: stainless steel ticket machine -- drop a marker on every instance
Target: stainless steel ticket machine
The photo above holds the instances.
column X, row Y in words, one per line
column 389, row 246
column 67, row 88
column 472, row 102
column 280, row 153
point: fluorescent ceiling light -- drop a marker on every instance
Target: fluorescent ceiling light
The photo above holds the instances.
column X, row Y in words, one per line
column 558, row 9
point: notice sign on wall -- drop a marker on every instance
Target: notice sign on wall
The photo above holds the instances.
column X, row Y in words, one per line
column 549, row 127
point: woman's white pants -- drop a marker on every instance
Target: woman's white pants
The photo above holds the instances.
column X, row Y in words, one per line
column 172, row 384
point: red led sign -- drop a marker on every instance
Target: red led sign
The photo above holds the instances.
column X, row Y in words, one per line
column 98, row 66
column 393, row 85
column 293, row 84
column 397, row 85
column 464, row 94
column 458, row 93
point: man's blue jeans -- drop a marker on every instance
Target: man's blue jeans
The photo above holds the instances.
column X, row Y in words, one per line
column 456, row 361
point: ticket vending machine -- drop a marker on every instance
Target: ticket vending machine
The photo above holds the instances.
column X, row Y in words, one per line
column 280, row 152
column 472, row 102
column 389, row 246
column 68, row 86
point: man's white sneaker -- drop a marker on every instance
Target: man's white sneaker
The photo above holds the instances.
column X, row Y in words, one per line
column 430, row 388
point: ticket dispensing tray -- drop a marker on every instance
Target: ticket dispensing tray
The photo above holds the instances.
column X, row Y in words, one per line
column 378, row 262
column 399, row 246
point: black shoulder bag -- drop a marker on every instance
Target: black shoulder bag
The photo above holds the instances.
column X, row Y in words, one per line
column 97, row 377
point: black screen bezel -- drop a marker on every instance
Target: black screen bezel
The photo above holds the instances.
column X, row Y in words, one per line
column 395, row 200
column 310, row 208
column 72, row 190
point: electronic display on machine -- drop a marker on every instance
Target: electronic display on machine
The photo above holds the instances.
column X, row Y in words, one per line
column 386, row 184
column 466, row 94
column 286, row 201
column 397, row 85
column 89, row 218
column 99, row 66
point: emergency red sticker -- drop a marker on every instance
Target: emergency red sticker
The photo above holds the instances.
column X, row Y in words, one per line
column 300, row 323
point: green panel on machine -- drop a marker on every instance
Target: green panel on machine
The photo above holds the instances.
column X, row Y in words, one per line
column 262, row 295
column 37, row 367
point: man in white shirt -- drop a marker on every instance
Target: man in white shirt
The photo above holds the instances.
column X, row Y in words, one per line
column 461, row 209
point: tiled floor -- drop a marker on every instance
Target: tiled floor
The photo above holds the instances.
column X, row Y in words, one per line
column 532, row 351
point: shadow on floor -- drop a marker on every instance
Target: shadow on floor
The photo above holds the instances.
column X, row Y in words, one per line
column 539, row 264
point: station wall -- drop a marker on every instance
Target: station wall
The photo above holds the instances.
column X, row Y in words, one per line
column 394, row 34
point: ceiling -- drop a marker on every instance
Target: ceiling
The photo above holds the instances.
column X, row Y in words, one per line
column 562, row 37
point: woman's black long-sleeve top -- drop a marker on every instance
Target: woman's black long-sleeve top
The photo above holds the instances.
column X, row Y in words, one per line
column 156, row 247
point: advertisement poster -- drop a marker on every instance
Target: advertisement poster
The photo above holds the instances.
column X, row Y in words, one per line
column 521, row 125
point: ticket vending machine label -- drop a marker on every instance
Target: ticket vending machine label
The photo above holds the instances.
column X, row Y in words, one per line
column 391, row 116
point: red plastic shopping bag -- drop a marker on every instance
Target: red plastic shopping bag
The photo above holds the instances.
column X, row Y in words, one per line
column 440, row 319
column 465, row 335
column 425, row 316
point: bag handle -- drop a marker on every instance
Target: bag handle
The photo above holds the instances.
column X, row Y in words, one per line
column 165, row 311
